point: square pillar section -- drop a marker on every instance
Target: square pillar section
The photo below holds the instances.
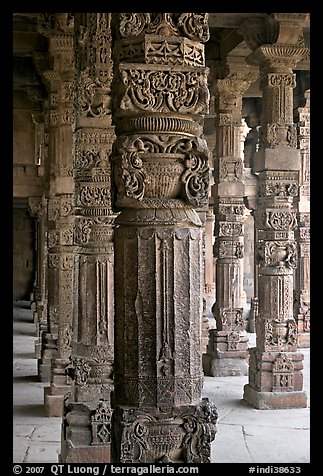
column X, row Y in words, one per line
column 161, row 174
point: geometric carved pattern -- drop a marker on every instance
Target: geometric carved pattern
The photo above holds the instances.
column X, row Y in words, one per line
column 101, row 424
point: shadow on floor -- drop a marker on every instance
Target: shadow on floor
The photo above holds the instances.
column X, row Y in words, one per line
column 26, row 378
column 30, row 410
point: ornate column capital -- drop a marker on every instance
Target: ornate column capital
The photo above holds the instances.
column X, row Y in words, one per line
column 276, row 28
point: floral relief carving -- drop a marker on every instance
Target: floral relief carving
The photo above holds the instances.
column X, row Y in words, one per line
column 165, row 91
column 277, row 253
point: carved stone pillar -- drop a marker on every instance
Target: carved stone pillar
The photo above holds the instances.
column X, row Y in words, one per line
column 275, row 370
column 302, row 276
column 209, row 277
column 228, row 343
column 161, row 173
column 86, row 426
column 38, row 207
column 60, row 211
column 250, row 179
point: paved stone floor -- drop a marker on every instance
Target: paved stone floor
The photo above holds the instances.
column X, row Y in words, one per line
column 245, row 434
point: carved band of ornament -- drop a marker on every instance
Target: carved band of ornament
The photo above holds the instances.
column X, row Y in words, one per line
column 224, row 119
column 231, row 209
column 272, row 135
column 230, row 229
column 61, row 43
column 153, row 49
column 277, row 254
column 53, row 209
column 91, row 99
column 54, row 118
column 230, row 249
column 286, row 53
column 82, row 370
column 66, row 237
column 61, row 261
column 304, row 219
column 187, row 430
column 93, row 138
column 230, row 169
column 95, row 196
column 54, row 100
column 283, row 363
column 86, row 159
column 279, row 188
column 158, row 124
column 281, row 334
column 280, row 220
column 66, row 206
column 52, row 238
column 66, row 91
column 166, row 90
column 192, row 25
column 231, row 318
column 281, row 80
column 137, row 176
column 166, row 234
column 304, row 233
column 90, row 230
column 273, row 235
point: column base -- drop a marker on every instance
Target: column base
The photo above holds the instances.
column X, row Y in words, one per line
column 54, row 399
column 224, row 366
column 86, row 431
column 85, row 454
column 44, row 371
column 274, row 400
column 176, row 435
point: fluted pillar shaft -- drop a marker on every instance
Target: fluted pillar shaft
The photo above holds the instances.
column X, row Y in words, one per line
column 161, row 174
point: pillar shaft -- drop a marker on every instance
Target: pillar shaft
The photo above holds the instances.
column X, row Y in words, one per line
column 86, row 427
column 160, row 171
column 275, row 377
column 302, row 277
column 228, row 343
column 60, row 210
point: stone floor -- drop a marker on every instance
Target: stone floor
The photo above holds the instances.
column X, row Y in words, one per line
column 245, row 434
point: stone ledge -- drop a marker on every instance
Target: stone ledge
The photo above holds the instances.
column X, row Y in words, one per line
column 274, row 400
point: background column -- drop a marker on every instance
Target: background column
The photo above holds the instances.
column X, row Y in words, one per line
column 275, row 370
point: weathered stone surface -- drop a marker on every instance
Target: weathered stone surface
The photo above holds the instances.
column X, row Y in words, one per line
column 275, row 365
column 160, row 174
